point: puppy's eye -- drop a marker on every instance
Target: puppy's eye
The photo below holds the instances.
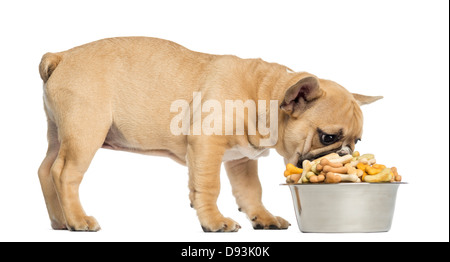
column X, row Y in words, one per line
column 328, row 139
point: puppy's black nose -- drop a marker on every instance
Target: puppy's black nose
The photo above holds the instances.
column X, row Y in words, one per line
column 344, row 151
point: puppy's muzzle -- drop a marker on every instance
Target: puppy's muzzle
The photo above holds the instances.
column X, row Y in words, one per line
column 341, row 152
column 345, row 151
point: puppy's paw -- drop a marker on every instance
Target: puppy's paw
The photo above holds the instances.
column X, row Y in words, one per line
column 284, row 224
column 268, row 221
column 87, row 223
column 57, row 225
column 223, row 224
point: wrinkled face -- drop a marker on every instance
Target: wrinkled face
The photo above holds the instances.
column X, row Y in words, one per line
column 318, row 124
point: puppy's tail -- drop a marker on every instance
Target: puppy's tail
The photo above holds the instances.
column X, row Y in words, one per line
column 48, row 64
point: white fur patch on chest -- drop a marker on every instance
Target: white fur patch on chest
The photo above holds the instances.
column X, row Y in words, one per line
column 238, row 152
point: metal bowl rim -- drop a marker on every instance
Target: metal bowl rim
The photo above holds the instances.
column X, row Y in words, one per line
column 344, row 184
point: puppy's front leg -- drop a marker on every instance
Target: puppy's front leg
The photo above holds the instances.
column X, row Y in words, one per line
column 243, row 175
column 204, row 161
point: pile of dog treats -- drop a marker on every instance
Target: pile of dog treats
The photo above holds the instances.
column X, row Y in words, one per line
column 333, row 168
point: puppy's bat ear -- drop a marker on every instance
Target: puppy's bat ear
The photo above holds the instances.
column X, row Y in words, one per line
column 364, row 100
column 300, row 94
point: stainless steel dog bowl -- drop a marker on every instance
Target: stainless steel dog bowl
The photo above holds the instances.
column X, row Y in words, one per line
column 344, row 207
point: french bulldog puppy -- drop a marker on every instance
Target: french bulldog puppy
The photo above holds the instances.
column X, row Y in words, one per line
column 153, row 96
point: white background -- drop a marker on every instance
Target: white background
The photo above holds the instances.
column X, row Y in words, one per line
column 398, row 49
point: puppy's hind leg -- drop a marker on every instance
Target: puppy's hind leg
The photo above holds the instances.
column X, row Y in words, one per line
column 51, row 199
column 81, row 134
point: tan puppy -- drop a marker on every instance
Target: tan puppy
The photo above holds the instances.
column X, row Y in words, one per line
column 119, row 93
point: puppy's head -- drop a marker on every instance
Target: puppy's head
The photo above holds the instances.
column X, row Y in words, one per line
column 319, row 117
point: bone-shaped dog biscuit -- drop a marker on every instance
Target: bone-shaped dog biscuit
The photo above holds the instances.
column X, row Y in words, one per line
column 341, row 177
column 291, row 169
column 383, row 176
